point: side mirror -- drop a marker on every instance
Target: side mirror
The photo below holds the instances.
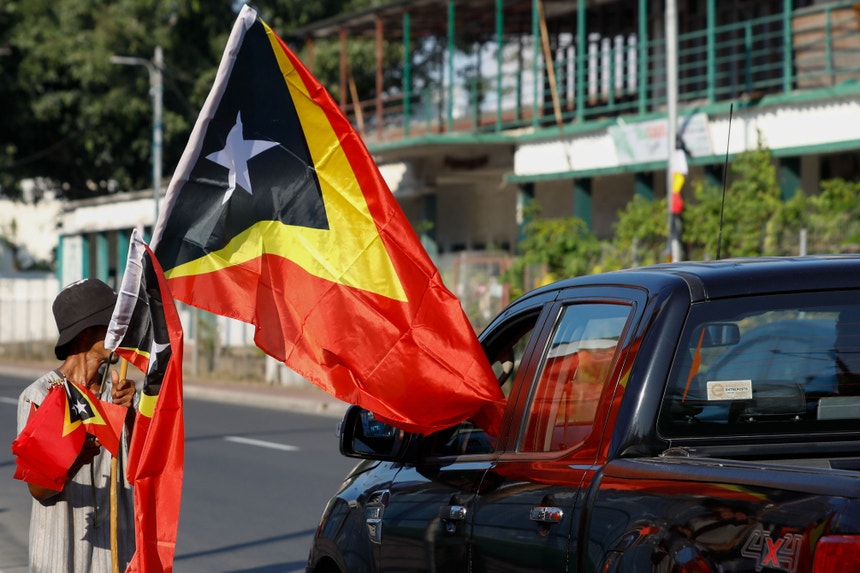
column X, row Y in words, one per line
column 363, row 436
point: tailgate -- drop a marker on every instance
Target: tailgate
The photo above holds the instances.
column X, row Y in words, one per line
column 693, row 514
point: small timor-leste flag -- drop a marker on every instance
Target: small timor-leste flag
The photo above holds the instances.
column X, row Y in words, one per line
column 54, row 435
column 278, row 216
column 102, row 419
column 145, row 330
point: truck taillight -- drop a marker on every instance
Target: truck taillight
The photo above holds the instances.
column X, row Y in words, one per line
column 837, row 553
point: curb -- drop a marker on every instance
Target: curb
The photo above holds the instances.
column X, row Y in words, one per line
column 269, row 397
column 307, row 400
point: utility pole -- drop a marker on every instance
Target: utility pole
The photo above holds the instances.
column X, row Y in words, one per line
column 673, row 220
column 156, row 86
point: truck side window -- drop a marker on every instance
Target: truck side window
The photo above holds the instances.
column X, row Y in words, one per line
column 575, row 368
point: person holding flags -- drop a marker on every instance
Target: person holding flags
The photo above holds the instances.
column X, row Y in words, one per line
column 71, row 521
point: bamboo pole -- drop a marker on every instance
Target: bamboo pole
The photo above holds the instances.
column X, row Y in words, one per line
column 114, row 505
column 356, row 105
column 550, row 70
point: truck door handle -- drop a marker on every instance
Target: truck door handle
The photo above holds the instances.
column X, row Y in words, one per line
column 449, row 517
column 546, row 514
column 453, row 513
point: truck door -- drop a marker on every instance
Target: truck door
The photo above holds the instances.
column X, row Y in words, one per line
column 423, row 519
column 525, row 514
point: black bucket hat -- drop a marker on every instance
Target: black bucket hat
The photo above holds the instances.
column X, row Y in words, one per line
column 82, row 304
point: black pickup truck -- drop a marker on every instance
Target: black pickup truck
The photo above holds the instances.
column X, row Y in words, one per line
column 690, row 417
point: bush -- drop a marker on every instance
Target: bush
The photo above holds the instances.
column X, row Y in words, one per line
column 755, row 222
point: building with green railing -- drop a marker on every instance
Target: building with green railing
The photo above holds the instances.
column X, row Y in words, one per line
column 565, row 102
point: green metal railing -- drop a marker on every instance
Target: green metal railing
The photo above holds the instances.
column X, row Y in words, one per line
column 615, row 75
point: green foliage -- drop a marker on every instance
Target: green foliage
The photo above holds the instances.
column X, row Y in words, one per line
column 783, row 229
column 834, row 217
column 283, row 15
column 84, row 122
column 640, row 235
column 701, row 220
column 563, row 246
column 752, row 200
column 84, row 125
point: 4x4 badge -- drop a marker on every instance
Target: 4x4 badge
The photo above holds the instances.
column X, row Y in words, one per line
column 782, row 553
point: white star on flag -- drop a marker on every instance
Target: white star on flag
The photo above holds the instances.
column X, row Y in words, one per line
column 235, row 155
column 80, row 408
column 154, row 352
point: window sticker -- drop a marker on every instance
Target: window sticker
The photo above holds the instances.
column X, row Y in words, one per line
column 730, row 390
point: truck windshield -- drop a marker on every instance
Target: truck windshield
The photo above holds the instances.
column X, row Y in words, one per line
column 786, row 364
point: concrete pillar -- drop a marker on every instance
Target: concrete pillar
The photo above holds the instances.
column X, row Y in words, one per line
column 525, row 193
column 102, row 256
column 60, row 252
column 123, row 238
column 643, row 185
column 714, row 176
column 582, row 200
column 428, row 225
column 789, row 176
column 85, row 256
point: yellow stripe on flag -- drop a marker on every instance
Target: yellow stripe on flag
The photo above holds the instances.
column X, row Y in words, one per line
column 147, row 405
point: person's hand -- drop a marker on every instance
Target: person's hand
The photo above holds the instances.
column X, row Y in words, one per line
column 90, row 450
column 122, row 391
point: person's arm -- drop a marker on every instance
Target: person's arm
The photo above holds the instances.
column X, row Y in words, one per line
column 40, row 493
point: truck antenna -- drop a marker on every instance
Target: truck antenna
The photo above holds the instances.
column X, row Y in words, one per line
column 725, row 176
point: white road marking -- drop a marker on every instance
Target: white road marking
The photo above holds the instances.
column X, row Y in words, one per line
column 5, row 400
column 262, row 444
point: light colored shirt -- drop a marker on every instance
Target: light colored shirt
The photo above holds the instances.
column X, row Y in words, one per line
column 70, row 533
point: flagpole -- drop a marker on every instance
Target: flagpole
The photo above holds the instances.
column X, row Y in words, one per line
column 114, row 470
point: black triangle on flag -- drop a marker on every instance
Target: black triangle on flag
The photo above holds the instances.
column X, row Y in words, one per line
column 226, row 191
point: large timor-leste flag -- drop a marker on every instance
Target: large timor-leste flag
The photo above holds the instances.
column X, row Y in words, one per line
column 277, row 215
column 145, row 330
column 54, row 435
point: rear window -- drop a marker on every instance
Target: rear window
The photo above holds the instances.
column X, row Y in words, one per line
column 787, row 364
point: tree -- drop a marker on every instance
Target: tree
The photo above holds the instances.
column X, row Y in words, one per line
column 10, row 101
column 83, row 125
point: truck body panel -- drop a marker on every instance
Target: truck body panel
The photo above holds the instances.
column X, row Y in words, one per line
column 681, row 417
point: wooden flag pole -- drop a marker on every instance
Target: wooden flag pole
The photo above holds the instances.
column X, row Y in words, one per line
column 550, row 67
column 356, row 106
column 114, row 470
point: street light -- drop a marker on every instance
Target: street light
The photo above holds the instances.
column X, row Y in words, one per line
column 156, row 85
